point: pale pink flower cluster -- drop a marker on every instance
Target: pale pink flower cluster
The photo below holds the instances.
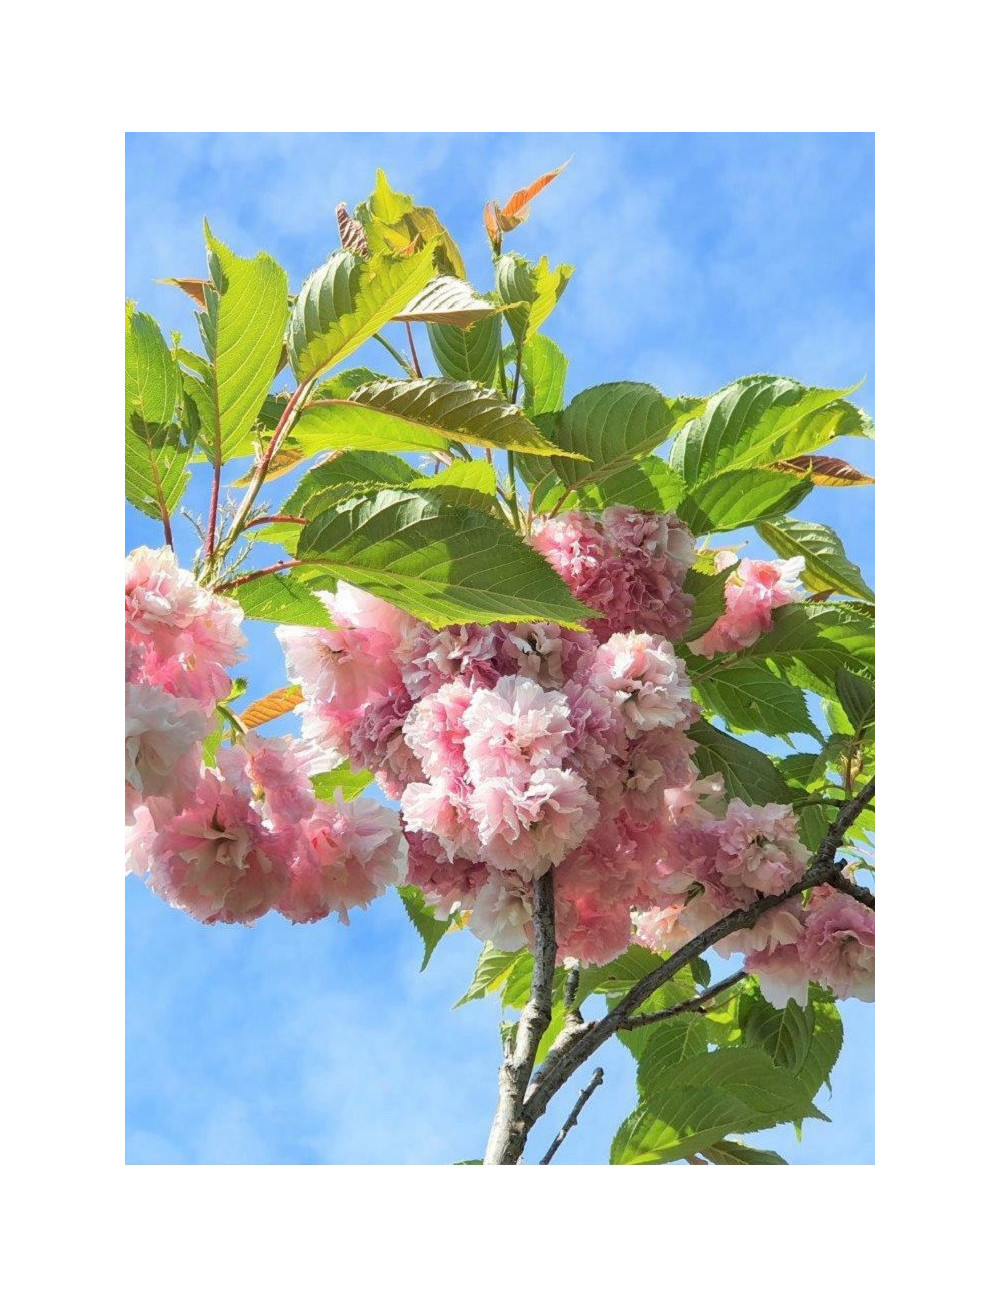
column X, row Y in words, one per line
column 180, row 639
column 248, row 836
column 752, row 592
column 519, row 748
column 628, row 564
column 715, row 860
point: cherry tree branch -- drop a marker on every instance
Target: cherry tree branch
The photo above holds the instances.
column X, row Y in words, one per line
column 567, row 1056
column 574, row 1115
column 698, row 1004
column 848, row 886
column 508, row 1134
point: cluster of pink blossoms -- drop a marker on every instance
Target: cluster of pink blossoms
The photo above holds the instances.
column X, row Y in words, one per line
column 519, row 748
column 232, row 842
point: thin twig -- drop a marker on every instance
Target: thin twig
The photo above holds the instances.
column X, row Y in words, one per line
column 692, row 1004
column 574, row 1115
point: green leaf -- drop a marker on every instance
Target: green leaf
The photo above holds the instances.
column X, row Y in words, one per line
column 348, row 300
column 741, row 497
column 393, row 223
column 543, row 374
column 649, row 484
column 700, row 1100
column 760, row 420
column 827, row 566
column 448, row 301
column 750, row 698
column 421, row 415
column 156, row 451
column 610, row 425
column 784, row 1033
column 808, row 644
column 492, row 970
column 340, row 476
column 152, row 380
column 737, row 1153
column 276, row 599
column 243, row 327
column 709, row 591
column 748, row 774
column 472, row 353
column 858, row 698
column 529, row 292
column 441, row 563
column 342, row 778
column 426, row 924
column 806, row 1041
column 471, row 483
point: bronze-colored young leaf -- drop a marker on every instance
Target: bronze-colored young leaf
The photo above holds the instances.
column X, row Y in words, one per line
column 826, row 471
column 352, row 232
column 272, row 706
column 516, row 209
column 193, row 288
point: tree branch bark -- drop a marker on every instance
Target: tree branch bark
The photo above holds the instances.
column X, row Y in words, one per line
column 509, row 1131
column 692, row 1004
column 574, row 1115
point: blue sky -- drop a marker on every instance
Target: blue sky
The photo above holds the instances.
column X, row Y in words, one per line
column 699, row 258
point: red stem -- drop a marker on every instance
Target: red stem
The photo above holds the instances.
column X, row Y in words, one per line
column 275, row 519
column 257, row 573
column 413, row 350
column 213, row 511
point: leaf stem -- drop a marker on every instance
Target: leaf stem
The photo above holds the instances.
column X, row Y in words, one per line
column 413, row 350
column 257, row 573
column 276, row 519
column 285, row 421
column 398, row 356
column 213, row 511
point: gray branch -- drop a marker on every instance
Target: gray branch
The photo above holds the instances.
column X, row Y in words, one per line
column 698, row 1004
column 848, row 886
column 560, row 1064
column 574, row 1115
column 509, row 1131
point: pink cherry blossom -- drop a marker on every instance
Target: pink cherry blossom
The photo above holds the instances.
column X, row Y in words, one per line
column 502, row 913
column 274, row 772
column 441, row 808
column 838, row 947
column 530, row 827
column 163, row 736
column 349, row 854
column 781, row 974
column 445, row 884
column 628, row 565
column 513, row 729
column 351, row 607
column 429, row 658
column 217, row 860
column 376, row 741
column 644, row 678
column 435, row 728
column 757, row 588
